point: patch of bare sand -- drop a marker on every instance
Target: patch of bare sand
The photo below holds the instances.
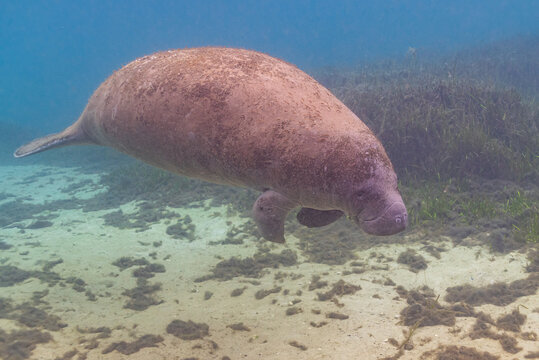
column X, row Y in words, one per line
column 88, row 248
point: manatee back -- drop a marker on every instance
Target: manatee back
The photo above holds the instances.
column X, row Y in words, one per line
column 224, row 115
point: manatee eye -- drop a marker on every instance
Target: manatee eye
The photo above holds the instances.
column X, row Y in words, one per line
column 360, row 194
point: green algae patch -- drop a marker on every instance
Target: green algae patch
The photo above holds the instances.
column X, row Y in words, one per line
column 126, row 262
column 183, row 229
column 332, row 245
column 415, row 261
column 11, row 275
column 14, row 212
column 128, row 348
column 453, row 352
column 19, row 344
column 260, row 294
column 141, row 220
column 33, row 317
column 500, row 294
column 39, row 224
column 296, row 344
column 4, row 245
column 317, row 283
column 252, row 267
column 238, row 291
column 511, row 322
column 238, row 327
column 142, row 296
column 482, row 329
column 149, row 271
column 340, row 288
column 337, row 315
column 424, row 309
column 188, row 330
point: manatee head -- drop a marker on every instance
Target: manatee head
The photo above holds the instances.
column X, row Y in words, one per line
column 376, row 204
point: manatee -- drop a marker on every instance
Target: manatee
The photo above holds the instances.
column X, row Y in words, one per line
column 243, row 118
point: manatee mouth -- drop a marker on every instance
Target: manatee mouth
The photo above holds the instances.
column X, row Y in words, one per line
column 393, row 220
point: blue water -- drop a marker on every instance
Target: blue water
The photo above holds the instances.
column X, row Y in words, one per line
column 53, row 54
column 453, row 97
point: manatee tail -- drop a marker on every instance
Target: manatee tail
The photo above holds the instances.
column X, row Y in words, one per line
column 70, row 136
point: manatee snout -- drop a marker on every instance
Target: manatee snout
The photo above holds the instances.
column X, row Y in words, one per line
column 393, row 219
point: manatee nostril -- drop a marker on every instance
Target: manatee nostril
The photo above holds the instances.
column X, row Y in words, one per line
column 403, row 219
column 392, row 221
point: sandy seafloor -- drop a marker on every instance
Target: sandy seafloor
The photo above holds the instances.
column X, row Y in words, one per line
column 88, row 247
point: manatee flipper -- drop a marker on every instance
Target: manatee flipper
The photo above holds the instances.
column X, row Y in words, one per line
column 269, row 212
column 70, row 136
column 317, row 218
